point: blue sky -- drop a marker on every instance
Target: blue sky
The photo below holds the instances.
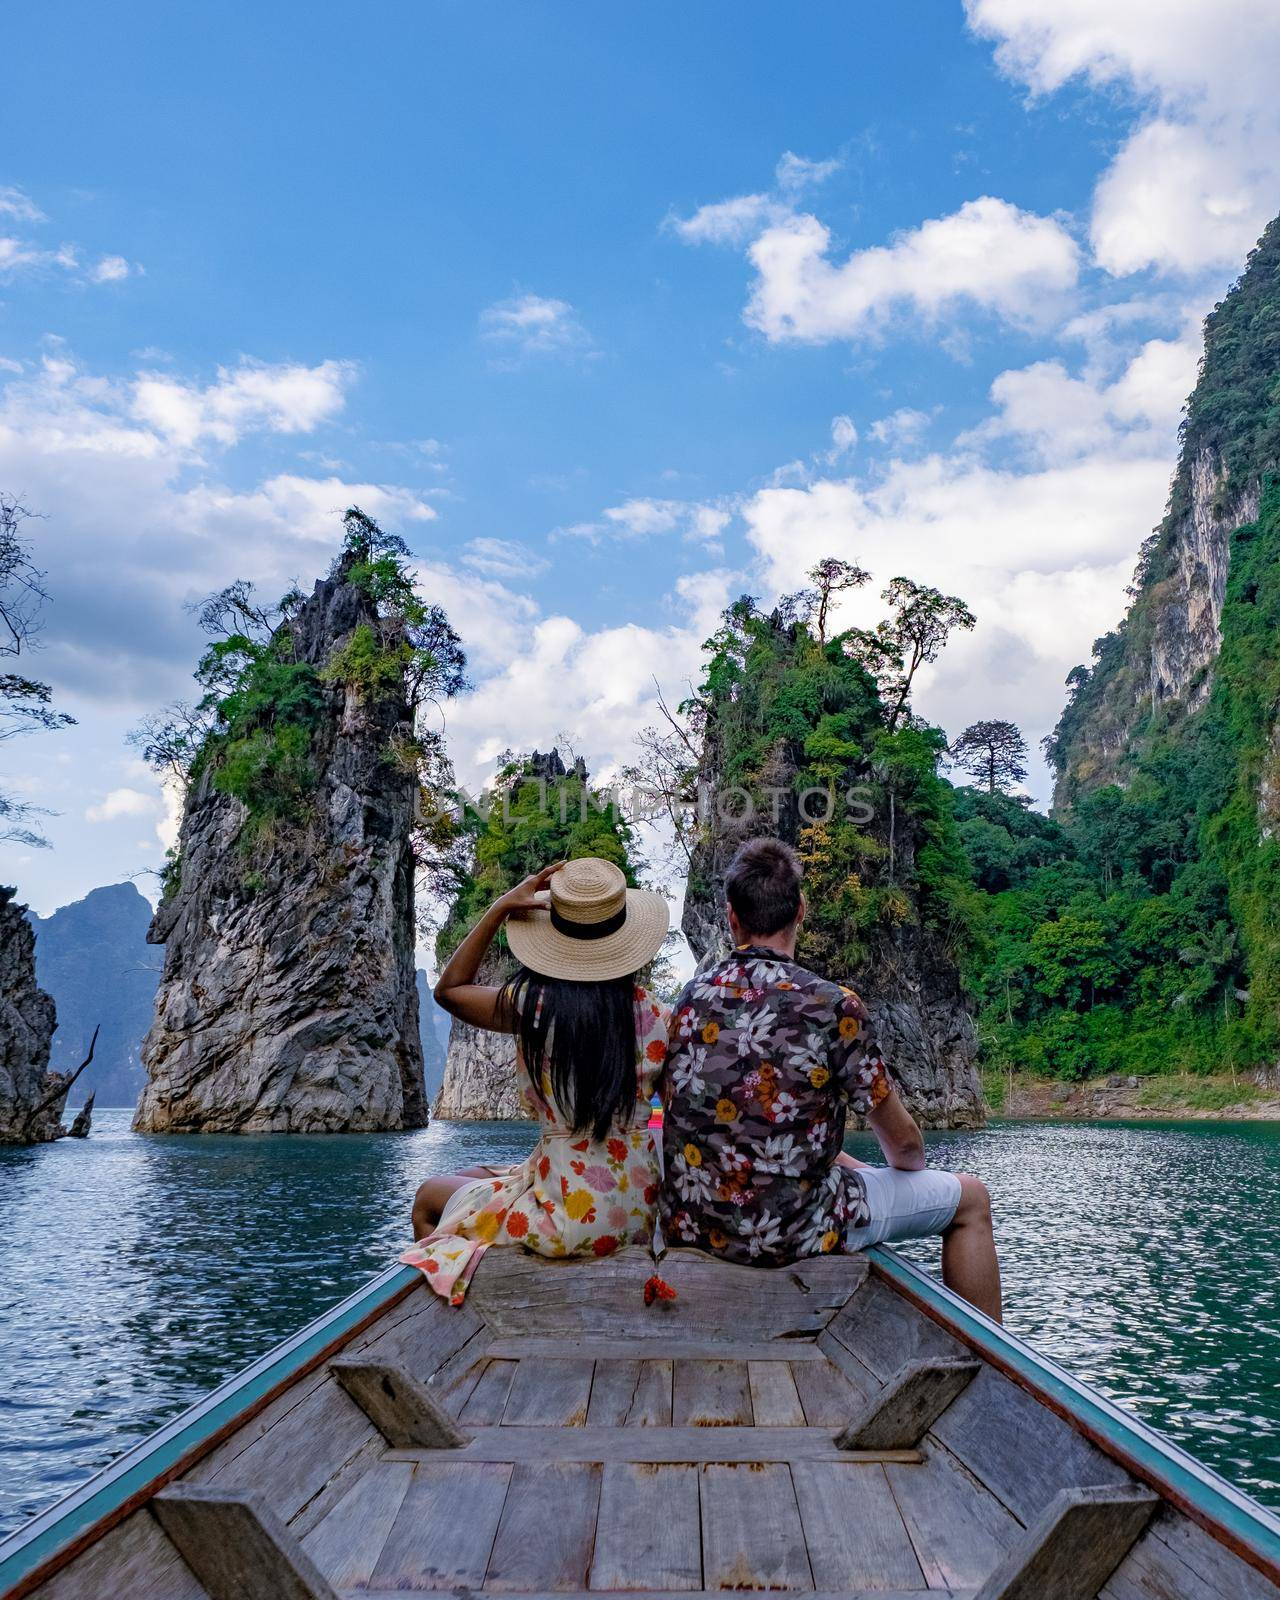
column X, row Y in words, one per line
column 613, row 312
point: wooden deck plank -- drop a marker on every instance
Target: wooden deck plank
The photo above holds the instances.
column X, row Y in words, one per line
column 707, row 1594
column 907, row 1407
column 885, row 1331
column 711, row 1394
column 648, row 1530
column 651, row 1407
column 284, row 1464
column 774, row 1400
column 1174, row 1558
column 400, row 1407
column 1020, row 1449
column 828, row 1398
column 547, row 1392
column 443, row 1533
column 657, row 1347
column 135, row 1560
column 547, row 1533
column 236, row 1545
column 751, row 1532
column 960, row 1531
column 852, row 1528
column 613, row 1393
column 347, row 1543
column 840, row 1356
column 485, row 1404
column 656, row 1444
column 518, row 1294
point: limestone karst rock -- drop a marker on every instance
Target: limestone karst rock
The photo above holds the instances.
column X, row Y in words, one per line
column 27, row 1021
column 287, row 1002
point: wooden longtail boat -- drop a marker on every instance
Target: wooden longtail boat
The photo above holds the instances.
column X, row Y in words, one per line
column 845, row 1427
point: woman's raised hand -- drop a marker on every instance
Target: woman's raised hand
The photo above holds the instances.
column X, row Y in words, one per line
column 522, row 897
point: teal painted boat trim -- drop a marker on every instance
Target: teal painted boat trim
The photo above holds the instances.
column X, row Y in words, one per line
column 31, row 1546
column 1192, row 1486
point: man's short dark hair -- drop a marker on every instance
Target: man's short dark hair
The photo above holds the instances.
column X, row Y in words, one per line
column 762, row 886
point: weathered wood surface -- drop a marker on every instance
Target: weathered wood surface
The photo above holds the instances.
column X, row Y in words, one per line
column 135, row 1559
column 751, row 1532
column 907, row 1407
column 852, row 1528
column 960, row 1531
column 548, row 1393
column 443, row 1533
column 236, row 1545
column 649, row 1529
column 711, row 1394
column 884, row 1332
column 548, row 1528
column 660, row 1347
column 655, row 1445
column 1174, row 1558
column 1074, row 1546
column 775, row 1401
column 522, row 1294
column 1019, row 1449
column 346, row 1544
column 658, row 1451
column 397, row 1404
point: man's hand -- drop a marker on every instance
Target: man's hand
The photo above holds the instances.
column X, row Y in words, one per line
column 898, row 1134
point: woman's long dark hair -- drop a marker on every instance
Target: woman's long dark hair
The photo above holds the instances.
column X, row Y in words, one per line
column 584, row 1036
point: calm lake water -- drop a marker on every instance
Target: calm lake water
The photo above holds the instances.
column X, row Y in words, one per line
column 136, row 1272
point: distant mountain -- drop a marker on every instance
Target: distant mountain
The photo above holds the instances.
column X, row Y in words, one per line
column 93, row 958
column 433, row 1025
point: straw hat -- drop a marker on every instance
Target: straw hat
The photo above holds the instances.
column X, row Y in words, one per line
column 593, row 926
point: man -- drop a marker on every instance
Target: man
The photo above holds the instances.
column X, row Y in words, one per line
column 766, row 1059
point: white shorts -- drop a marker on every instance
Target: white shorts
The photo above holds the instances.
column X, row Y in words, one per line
column 905, row 1205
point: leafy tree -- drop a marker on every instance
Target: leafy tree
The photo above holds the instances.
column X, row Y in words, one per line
column 832, row 576
column 994, row 752
column 920, row 621
column 25, row 702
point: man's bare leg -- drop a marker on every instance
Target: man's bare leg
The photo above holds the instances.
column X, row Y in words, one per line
column 969, row 1264
column 433, row 1195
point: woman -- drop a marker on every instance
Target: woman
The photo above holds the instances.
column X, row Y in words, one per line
column 590, row 1044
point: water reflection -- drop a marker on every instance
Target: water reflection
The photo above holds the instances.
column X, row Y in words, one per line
column 137, row 1272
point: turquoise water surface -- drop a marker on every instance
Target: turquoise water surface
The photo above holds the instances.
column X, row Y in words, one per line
column 136, row 1272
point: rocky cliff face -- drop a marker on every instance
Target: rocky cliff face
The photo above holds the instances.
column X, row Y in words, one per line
column 1157, row 667
column 27, row 1021
column 479, row 1079
column 92, row 957
column 288, row 1002
column 911, row 988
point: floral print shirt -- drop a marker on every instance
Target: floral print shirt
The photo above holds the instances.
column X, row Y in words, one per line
column 573, row 1196
column 764, row 1062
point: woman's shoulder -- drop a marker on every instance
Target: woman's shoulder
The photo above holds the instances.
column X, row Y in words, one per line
column 652, row 1014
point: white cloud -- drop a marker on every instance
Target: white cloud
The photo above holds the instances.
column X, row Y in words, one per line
column 794, row 172
column 988, row 255
column 1033, row 518
column 901, row 428
column 844, row 437
column 282, row 398
column 644, row 518
column 532, row 325
column 14, row 203
column 1195, row 182
column 503, row 558
column 110, row 269
column 121, row 803
column 136, row 526
column 736, row 220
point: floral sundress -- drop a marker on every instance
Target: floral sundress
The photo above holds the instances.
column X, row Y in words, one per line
column 573, row 1196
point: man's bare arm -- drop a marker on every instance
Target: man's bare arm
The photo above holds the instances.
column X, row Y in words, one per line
column 898, row 1135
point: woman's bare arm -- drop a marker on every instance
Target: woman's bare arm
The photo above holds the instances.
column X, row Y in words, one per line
column 456, row 989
